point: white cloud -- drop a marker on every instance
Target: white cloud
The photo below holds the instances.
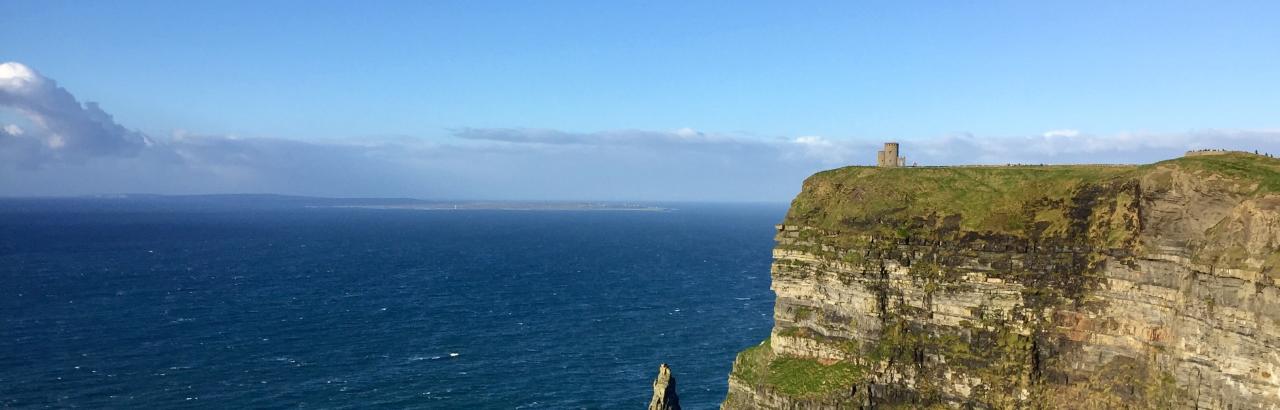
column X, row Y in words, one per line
column 13, row 129
column 1061, row 133
column 65, row 128
column 686, row 137
column 687, row 133
column 829, row 152
column 17, row 76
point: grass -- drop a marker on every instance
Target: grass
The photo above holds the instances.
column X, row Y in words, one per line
column 752, row 364
column 796, row 377
column 805, row 377
column 802, row 313
column 1012, row 200
column 1233, row 166
column 983, row 198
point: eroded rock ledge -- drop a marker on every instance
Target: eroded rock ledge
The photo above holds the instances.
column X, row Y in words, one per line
column 1036, row 287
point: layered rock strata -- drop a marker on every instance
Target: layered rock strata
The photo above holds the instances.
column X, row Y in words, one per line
column 1026, row 287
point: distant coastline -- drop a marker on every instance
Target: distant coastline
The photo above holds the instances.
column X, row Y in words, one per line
column 510, row 206
column 272, row 201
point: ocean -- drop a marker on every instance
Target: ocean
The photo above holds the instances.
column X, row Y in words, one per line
column 149, row 303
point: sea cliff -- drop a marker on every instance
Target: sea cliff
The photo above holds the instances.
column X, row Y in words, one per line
column 1150, row 286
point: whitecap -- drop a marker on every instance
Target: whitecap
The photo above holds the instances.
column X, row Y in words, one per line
column 452, row 354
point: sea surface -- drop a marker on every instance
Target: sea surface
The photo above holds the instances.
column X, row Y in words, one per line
column 148, row 303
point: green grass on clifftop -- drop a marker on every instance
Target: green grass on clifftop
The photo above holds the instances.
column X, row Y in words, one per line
column 1233, row 166
column 983, row 198
column 796, row 377
column 994, row 199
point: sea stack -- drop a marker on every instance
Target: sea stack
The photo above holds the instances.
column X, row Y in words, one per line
column 664, row 391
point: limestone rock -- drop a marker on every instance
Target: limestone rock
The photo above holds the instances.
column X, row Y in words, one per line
column 1152, row 287
column 664, row 391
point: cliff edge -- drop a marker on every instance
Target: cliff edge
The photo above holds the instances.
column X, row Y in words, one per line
column 1151, row 286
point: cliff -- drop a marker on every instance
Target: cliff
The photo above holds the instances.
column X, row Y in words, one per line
column 1150, row 286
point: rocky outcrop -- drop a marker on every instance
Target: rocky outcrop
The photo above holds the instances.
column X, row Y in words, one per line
column 664, row 391
column 1035, row 287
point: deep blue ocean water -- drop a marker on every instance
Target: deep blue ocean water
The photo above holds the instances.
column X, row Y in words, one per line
column 130, row 304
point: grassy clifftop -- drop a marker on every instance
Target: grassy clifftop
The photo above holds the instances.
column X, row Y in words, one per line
column 1256, row 175
column 1021, row 201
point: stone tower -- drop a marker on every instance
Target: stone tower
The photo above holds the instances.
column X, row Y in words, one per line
column 889, row 156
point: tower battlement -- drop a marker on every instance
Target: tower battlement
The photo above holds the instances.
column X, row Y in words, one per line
column 888, row 157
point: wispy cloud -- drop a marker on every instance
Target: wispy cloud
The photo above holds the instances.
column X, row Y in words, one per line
column 1071, row 146
column 1061, row 133
column 68, row 147
column 686, row 137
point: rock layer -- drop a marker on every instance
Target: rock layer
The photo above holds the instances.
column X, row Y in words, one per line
column 1026, row 287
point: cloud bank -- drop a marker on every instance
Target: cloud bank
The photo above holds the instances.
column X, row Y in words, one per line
column 67, row 128
column 65, row 147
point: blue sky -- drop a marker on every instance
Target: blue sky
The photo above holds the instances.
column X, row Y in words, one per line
column 845, row 74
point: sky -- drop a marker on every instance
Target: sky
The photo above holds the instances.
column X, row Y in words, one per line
column 616, row 100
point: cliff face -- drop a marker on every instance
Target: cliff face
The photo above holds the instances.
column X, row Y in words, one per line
column 1026, row 287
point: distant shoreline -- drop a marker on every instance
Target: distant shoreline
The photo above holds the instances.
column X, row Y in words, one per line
column 505, row 207
column 270, row 201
